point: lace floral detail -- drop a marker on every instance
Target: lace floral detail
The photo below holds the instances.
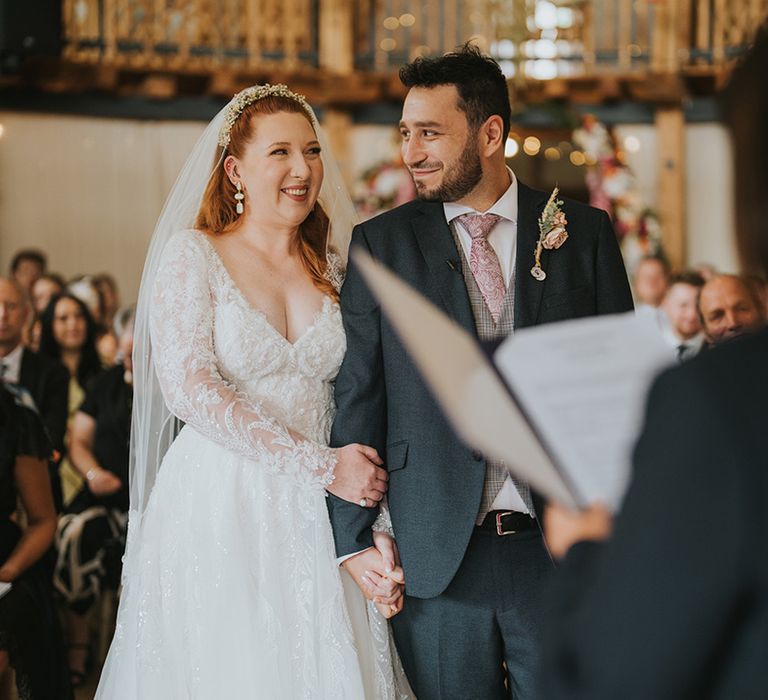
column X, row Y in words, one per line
column 383, row 522
column 335, row 272
column 182, row 326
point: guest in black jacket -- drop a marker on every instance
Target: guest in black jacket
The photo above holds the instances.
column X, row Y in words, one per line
column 43, row 377
column 674, row 604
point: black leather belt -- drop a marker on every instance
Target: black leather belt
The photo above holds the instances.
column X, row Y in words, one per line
column 508, row 522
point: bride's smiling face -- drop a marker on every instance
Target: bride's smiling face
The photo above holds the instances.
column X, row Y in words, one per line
column 280, row 169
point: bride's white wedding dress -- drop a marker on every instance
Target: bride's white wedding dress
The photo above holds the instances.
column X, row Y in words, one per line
column 232, row 589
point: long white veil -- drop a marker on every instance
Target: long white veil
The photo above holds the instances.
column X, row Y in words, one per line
column 153, row 426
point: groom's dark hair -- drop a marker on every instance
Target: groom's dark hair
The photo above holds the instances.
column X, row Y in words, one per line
column 479, row 81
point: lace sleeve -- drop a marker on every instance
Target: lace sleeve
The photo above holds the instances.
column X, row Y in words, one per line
column 181, row 327
column 383, row 521
column 334, row 271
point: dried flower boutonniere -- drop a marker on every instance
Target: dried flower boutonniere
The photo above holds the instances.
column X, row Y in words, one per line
column 552, row 233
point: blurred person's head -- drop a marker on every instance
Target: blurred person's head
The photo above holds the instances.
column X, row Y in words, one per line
column 68, row 331
column 680, row 304
column 729, row 309
column 44, row 289
column 27, row 267
column 14, row 312
column 110, row 297
column 84, row 289
column 650, row 280
column 746, row 112
column 706, row 270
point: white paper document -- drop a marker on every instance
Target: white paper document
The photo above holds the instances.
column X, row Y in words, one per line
column 573, row 406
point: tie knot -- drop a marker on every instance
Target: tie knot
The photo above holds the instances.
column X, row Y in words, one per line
column 478, row 225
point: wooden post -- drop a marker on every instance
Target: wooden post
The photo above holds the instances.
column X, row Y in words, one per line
column 718, row 33
column 588, row 37
column 682, row 10
column 703, row 24
column 670, row 129
column 336, row 39
column 625, row 35
column 110, row 30
column 664, row 39
column 252, row 34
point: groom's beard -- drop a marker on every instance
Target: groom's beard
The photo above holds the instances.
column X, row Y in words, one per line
column 458, row 182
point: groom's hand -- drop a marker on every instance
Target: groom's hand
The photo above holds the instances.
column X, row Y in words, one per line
column 384, row 588
column 385, row 545
column 358, row 476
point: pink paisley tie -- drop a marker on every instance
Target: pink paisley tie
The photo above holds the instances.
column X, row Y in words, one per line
column 484, row 262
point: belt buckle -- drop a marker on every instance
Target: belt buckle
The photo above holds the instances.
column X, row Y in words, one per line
column 499, row 527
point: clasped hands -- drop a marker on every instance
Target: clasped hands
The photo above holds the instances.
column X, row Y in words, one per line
column 378, row 574
column 358, row 478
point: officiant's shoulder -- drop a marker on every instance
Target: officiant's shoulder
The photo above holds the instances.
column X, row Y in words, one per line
column 729, row 378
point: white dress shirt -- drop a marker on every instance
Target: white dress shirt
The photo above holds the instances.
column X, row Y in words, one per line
column 503, row 240
column 11, row 365
column 685, row 348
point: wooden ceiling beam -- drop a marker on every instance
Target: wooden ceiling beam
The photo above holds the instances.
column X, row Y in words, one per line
column 328, row 89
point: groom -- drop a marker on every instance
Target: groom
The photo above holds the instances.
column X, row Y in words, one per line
column 467, row 534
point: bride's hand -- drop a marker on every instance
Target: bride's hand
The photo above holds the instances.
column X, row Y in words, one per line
column 358, row 475
column 390, row 558
column 384, row 588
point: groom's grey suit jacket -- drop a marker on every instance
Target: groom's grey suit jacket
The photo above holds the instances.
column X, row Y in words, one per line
column 435, row 481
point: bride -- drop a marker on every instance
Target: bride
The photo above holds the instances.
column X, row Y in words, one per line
column 231, row 588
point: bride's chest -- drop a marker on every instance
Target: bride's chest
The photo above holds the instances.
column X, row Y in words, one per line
column 248, row 347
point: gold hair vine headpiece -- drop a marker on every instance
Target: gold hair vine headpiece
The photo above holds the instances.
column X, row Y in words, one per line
column 253, row 94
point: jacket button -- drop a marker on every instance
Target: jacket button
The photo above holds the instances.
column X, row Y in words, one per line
column 477, row 455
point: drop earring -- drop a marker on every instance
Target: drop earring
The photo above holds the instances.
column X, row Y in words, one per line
column 239, row 197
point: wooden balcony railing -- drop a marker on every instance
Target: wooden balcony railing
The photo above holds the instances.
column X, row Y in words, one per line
column 192, row 33
column 532, row 39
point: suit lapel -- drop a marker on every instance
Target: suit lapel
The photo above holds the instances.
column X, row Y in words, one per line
column 528, row 291
column 436, row 243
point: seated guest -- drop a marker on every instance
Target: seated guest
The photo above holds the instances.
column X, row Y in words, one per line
column 729, row 308
column 45, row 378
column 675, row 603
column 91, row 533
column 30, row 639
column 46, row 287
column 27, row 267
column 68, row 335
column 110, row 297
column 649, row 282
column 682, row 329
column 86, row 289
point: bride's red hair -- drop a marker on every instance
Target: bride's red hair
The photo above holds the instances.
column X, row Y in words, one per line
column 217, row 214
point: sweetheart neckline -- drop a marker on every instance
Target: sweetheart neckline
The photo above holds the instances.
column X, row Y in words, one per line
column 327, row 302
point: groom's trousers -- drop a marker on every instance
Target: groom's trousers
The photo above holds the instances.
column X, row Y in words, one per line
column 455, row 646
